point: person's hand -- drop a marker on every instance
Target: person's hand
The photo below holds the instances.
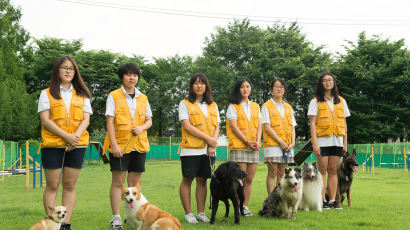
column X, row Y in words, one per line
column 116, row 151
column 316, row 150
column 211, row 151
column 253, row 145
column 290, row 147
column 212, row 141
column 137, row 130
column 69, row 148
column 73, row 139
column 283, row 145
column 344, row 149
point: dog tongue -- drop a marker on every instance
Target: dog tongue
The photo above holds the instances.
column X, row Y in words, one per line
column 354, row 169
column 130, row 205
column 295, row 189
column 240, row 182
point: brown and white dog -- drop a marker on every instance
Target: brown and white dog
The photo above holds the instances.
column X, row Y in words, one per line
column 140, row 214
column 53, row 220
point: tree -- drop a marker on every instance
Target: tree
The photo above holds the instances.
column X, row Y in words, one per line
column 167, row 84
column 263, row 54
column 375, row 79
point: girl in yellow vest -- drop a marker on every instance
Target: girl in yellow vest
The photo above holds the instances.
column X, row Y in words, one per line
column 278, row 123
column 64, row 110
column 327, row 113
column 244, row 133
column 200, row 120
column 128, row 118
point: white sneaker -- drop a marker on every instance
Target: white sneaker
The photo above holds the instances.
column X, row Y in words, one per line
column 202, row 217
column 116, row 223
column 190, row 218
column 246, row 211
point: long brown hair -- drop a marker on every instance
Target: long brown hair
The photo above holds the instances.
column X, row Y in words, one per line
column 208, row 92
column 78, row 83
column 320, row 92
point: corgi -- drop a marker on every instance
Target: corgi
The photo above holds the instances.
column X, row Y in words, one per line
column 140, row 214
column 283, row 202
column 312, row 188
column 53, row 221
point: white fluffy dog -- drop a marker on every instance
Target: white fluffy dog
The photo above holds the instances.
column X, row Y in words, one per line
column 312, row 188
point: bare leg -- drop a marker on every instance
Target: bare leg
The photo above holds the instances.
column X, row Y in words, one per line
column 332, row 176
column 70, row 176
column 250, row 168
column 50, row 192
column 322, row 162
column 200, row 193
column 281, row 172
column 185, row 193
column 117, row 180
column 270, row 178
column 133, row 178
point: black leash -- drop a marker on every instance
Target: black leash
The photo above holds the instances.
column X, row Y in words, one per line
column 211, row 158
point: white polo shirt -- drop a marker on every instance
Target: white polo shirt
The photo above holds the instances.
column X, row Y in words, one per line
column 132, row 104
column 232, row 114
column 44, row 102
column 332, row 140
column 183, row 114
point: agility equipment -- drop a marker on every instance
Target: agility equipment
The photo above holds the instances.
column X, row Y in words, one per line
column 11, row 171
column 303, row 153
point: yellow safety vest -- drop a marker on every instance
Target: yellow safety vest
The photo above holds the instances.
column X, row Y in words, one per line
column 283, row 127
column 328, row 122
column 124, row 123
column 198, row 119
column 58, row 113
column 249, row 128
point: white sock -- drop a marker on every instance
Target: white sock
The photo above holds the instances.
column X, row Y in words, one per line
column 332, row 201
column 116, row 216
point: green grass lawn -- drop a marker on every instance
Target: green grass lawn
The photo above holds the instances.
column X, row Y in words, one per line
column 381, row 200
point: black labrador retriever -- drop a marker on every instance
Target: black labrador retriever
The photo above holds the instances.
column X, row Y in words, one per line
column 227, row 183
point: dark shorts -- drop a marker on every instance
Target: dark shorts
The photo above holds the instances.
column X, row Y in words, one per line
column 52, row 158
column 131, row 162
column 196, row 166
column 331, row 151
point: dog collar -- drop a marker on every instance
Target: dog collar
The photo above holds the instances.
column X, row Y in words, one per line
column 51, row 218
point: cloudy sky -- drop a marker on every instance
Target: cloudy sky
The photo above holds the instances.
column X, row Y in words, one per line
column 161, row 28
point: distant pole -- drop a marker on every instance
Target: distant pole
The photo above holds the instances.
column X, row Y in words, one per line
column 404, row 158
column 170, row 147
column 20, row 159
column 372, row 159
column 27, row 166
column 4, row 161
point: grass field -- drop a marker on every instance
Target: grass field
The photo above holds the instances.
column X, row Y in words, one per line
column 381, row 200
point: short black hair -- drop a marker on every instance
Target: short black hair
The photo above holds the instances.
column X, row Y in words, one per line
column 129, row 68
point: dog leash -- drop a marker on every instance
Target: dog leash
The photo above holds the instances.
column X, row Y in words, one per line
column 60, row 179
column 212, row 175
column 122, row 179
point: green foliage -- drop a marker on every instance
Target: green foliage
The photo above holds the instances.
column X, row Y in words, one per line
column 262, row 55
column 18, row 112
column 167, row 84
column 385, row 209
column 374, row 77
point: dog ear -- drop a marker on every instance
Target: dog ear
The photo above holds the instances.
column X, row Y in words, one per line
column 298, row 170
column 354, row 151
column 314, row 164
column 305, row 165
column 287, row 171
column 51, row 209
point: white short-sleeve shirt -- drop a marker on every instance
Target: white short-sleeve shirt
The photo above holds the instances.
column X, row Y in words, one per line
column 332, row 140
column 132, row 104
column 232, row 114
column 276, row 151
column 183, row 114
column 44, row 102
